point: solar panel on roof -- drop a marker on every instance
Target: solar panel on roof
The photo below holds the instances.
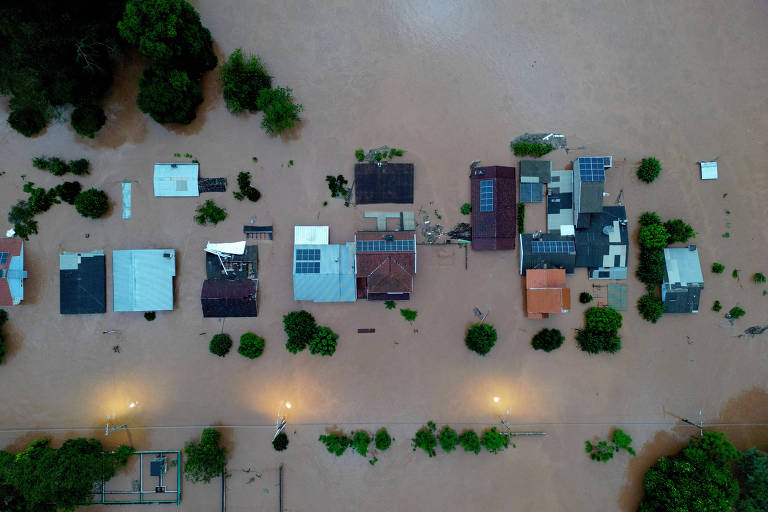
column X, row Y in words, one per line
column 592, row 168
column 552, row 246
column 307, row 267
column 384, row 245
column 307, row 254
column 3, row 258
column 531, row 192
column 486, row 195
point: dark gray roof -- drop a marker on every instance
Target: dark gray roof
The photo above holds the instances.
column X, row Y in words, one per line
column 541, row 169
column 531, row 192
column 591, row 196
column 83, row 289
column 557, row 202
column 592, row 243
column 529, row 259
column 221, row 298
column 682, row 300
column 387, row 183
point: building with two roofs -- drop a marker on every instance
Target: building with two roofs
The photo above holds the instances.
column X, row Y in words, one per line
column 231, row 287
column 322, row 272
column 143, row 279
column 12, row 273
column 546, row 293
column 683, row 280
column 385, row 263
column 494, row 208
column 82, row 283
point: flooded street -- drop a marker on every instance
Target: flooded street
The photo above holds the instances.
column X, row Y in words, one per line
column 450, row 82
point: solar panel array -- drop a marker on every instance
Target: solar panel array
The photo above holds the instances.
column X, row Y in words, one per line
column 551, row 246
column 592, row 168
column 385, row 245
column 486, row 195
column 307, row 261
column 308, row 254
column 531, row 192
column 3, row 258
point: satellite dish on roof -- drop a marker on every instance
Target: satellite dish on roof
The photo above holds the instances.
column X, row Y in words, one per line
column 607, row 230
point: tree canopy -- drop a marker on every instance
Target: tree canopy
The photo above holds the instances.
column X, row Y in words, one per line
column 243, row 77
column 206, row 459
column 169, row 95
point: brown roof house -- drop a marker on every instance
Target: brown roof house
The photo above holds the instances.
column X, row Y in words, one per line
column 386, row 264
column 12, row 273
column 494, row 208
column 546, row 293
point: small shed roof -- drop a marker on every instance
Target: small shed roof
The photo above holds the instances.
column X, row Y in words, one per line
column 143, row 279
column 83, row 287
column 176, row 180
column 535, row 171
column 708, row 170
column 315, row 235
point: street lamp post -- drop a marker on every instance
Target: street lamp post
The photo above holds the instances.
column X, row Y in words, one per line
column 281, row 420
column 121, row 427
column 700, row 426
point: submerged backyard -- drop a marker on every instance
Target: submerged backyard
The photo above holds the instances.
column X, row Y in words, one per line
column 396, row 378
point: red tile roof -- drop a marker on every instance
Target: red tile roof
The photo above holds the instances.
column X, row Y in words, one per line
column 494, row 230
column 546, row 292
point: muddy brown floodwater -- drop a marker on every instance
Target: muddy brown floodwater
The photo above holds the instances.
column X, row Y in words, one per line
column 450, row 82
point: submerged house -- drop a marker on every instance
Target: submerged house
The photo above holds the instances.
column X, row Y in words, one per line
column 83, row 283
column 143, row 279
column 176, row 180
column 547, row 251
column 12, row 273
column 588, row 187
column 494, row 208
column 322, row 272
column 602, row 244
column 231, row 288
column 534, row 174
column 683, row 280
column 385, row 262
column 546, row 293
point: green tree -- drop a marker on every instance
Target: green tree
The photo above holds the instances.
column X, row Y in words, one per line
column 280, row 442
column 493, row 441
column 206, row 459
column 758, row 278
column 323, row 342
column 169, row 95
column 481, row 338
column 752, row 471
column 389, row 304
column 220, row 344
column 534, row 149
column 622, row 441
column 651, row 269
column 92, row 203
column 425, row 439
column 359, row 155
column 28, row 121
column 600, row 331
column 466, row 209
column 601, row 452
column 718, row 268
column 336, row 444
column 736, row 312
column 88, row 119
column 40, row 200
column 649, row 219
column 300, row 326
column 409, row 314
column 547, row 340
column 448, row 439
column 382, row 440
column 68, row 191
column 650, row 307
column 280, row 112
column 22, row 218
column 251, row 346
column 697, row 479
column 649, row 169
column 209, row 212
column 360, row 441
column 242, row 78
column 678, row 231
column 246, row 190
column 652, row 237
column 170, row 34
column 585, row 297
column 470, row 441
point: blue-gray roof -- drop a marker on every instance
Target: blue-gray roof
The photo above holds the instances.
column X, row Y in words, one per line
column 324, row 273
column 176, row 180
column 143, row 279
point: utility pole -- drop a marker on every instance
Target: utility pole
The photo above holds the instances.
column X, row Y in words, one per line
column 700, row 426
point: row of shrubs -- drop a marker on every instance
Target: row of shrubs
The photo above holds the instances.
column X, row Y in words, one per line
column 427, row 439
column 251, row 346
column 337, row 443
column 600, row 333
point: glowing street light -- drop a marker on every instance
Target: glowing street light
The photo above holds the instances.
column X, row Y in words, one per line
column 281, row 420
column 496, row 399
column 114, row 429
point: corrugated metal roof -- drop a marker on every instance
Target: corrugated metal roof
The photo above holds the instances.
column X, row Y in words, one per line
column 176, row 180
column 336, row 280
column 143, row 279
column 683, row 267
column 312, row 235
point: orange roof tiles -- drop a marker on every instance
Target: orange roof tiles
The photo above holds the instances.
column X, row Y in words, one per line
column 546, row 292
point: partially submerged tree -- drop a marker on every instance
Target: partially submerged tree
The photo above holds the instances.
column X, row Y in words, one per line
column 649, row 169
column 92, row 203
column 210, row 213
column 600, row 333
column 169, row 95
column 300, row 326
column 243, row 77
column 481, row 338
column 280, row 111
column 206, row 459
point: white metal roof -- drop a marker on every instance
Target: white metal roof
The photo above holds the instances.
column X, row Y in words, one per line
column 176, row 180
column 228, row 248
column 310, row 235
column 708, row 170
column 683, row 267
